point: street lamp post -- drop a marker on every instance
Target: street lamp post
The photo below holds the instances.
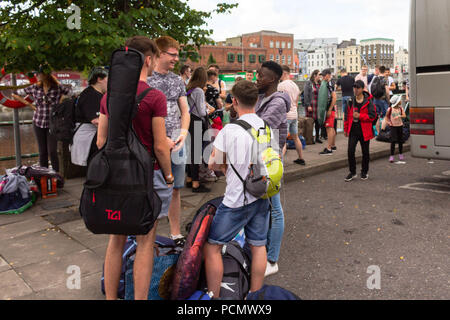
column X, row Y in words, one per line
column 16, row 128
column 242, row 50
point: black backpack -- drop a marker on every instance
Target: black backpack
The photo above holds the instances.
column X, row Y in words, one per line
column 118, row 196
column 62, row 120
column 236, row 272
column 377, row 88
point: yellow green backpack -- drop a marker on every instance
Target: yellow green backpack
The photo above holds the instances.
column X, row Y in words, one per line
column 266, row 168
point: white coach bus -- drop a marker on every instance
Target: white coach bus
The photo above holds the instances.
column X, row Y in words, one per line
column 429, row 47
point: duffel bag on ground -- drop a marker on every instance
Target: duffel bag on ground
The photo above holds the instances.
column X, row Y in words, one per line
column 272, row 293
column 164, row 265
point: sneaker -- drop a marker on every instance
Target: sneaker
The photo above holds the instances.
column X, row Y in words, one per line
column 350, row 177
column 391, row 159
column 179, row 240
column 401, row 157
column 364, row 176
column 319, row 141
column 201, row 189
column 333, row 148
column 271, row 269
column 326, row 152
column 300, row 162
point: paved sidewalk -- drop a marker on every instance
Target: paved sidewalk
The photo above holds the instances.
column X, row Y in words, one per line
column 38, row 246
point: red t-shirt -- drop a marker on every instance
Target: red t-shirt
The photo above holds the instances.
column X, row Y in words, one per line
column 153, row 105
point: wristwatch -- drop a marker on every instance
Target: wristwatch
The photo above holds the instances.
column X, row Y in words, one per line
column 169, row 179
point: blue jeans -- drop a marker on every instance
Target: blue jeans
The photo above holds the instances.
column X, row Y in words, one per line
column 345, row 103
column 276, row 231
column 228, row 222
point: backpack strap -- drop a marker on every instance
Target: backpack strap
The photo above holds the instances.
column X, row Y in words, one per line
column 187, row 95
column 142, row 95
column 138, row 101
column 247, row 127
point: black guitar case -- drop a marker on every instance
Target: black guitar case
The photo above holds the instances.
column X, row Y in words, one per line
column 118, row 196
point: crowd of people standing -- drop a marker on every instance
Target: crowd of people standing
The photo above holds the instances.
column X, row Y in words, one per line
column 185, row 112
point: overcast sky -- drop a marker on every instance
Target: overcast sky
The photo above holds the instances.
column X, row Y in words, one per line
column 344, row 19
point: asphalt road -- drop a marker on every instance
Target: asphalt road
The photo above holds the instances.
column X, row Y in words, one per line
column 397, row 222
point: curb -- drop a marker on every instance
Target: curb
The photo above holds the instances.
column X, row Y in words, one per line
column 291, row 175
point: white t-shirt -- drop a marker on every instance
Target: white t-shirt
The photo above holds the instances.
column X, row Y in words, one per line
column 289, row 87
column 237, row 144
column 391, row 81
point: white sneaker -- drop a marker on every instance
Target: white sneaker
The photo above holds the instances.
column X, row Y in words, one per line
column 271, row 269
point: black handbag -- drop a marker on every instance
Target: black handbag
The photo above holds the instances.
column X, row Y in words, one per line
column 118, row 196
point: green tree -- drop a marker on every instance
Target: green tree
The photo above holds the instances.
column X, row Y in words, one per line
column 211, row 59
column 36, row 31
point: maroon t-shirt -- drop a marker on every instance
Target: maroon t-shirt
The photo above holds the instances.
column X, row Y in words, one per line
column 153, row 105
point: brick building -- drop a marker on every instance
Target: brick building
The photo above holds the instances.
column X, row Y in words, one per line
column 231, row 59
column 280, row 46
column 248, row 51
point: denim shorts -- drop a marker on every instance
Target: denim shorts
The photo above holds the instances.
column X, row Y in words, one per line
column 164, row 192
column 179, row 168
column 381, row 106
column 228, row 222
column 293, row 127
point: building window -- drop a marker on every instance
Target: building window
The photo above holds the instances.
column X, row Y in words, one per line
column 289, row 60
column 252, row 58
column 351, row 60
column 283, row 45
column 271, row 44
column 278, row 44
column 289, row 45
column 271, row 57
column 240, row 57
column 283, row 59
column 262, row 58
column 351, row 68
column 230, row 57
column 278, row 58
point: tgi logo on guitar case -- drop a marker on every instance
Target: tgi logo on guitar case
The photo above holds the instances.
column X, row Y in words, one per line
column 113, row 215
